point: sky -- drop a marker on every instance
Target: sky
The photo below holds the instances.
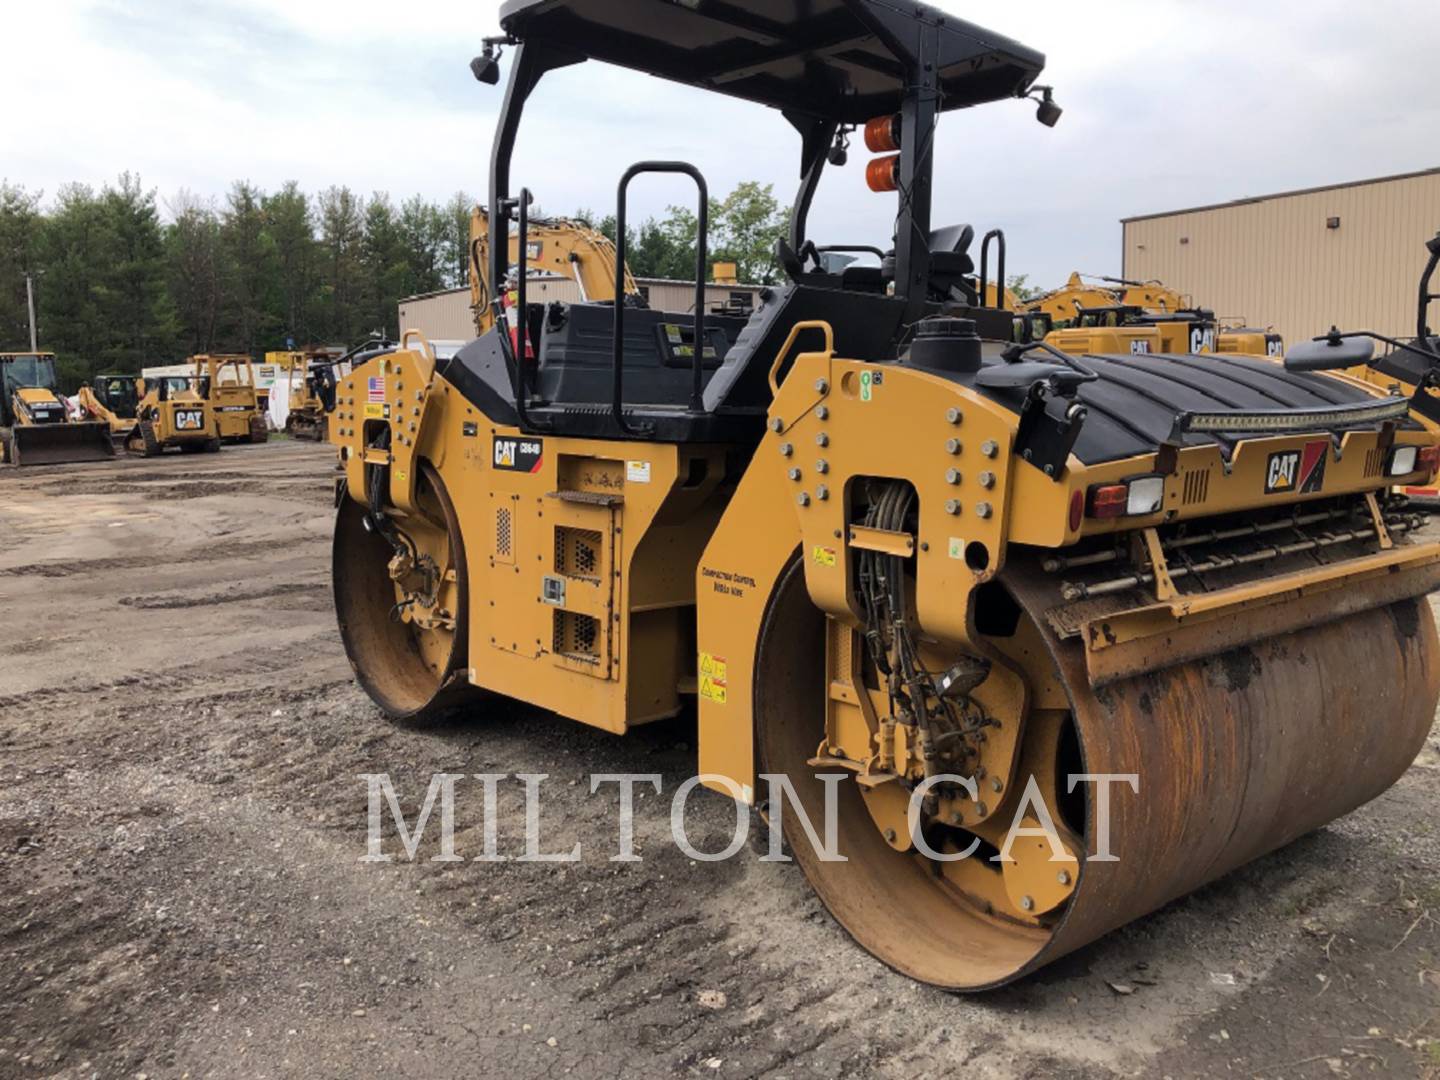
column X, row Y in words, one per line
column 1169, row 104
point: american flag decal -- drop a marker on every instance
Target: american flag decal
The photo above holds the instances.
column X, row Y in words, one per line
column 377, row 390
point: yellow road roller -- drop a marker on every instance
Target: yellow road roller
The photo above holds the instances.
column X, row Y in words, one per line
column 1077, row 633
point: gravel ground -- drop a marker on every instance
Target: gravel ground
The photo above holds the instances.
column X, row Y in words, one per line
column 182, row 821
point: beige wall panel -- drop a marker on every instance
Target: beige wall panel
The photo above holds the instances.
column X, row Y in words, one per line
column 1274, row 262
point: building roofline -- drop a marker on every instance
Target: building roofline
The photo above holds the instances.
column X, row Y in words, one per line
column 1252, row 200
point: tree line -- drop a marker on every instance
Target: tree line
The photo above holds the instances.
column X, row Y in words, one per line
column 123, row 280
column 119, row 285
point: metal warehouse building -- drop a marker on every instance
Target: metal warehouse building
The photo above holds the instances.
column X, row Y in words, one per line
column 446, row 316
column 1300, row 261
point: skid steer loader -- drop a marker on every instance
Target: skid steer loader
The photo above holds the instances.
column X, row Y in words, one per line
column 874, row 537
column 172, row 414
column 35, row 423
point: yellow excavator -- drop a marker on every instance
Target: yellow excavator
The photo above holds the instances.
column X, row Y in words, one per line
column 1149, row 316
column 1064, row 304
column 35, row 423
column 1013, row 646
column 560, row 248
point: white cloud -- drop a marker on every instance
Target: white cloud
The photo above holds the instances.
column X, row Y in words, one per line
column 1169, row 103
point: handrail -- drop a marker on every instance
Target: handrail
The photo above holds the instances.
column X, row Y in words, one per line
column 1422, row 332
column 993, row 235
column 795, row 332
column 513, row 350
column 424, row 341
column 697, row 391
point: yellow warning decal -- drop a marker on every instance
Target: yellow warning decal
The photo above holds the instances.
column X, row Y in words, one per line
column 374, row 412
column 827, row 557
column 714, row 673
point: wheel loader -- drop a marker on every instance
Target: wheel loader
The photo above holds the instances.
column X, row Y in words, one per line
column 228, row 384
column 35, row 423
column 1062, row 637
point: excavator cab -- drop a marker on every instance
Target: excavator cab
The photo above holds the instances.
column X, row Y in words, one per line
column 872, row 539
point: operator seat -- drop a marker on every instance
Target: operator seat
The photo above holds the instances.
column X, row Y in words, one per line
column 951, row 266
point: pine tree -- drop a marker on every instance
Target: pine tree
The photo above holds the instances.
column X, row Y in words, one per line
column 291, row 227
column 20, row 225
column 342, row 235
column 248, row 255
column 197, row 273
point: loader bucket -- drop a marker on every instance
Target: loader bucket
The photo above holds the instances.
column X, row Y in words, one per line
column 60, row 444
column 1236, row 754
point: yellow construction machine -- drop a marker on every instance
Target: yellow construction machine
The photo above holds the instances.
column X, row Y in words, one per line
column 172, row 413
column 228, row 384
column 309, row 372
column 1087, row 310
column 35, row 423
column 112, row 400
column 1059, row 638
column 313, row 374
column 1064, row 304
column 1191, row 331
column 149, row 416
column 558, row 248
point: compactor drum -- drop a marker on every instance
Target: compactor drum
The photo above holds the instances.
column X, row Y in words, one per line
column 1064, row 636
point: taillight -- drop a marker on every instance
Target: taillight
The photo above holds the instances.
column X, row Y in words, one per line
column 1428, row 460
column 1140, row 497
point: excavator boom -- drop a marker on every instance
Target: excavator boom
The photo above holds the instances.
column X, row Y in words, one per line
column 564, row 248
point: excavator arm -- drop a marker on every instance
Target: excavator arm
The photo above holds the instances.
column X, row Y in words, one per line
column 568, row 249
column 1064, row 304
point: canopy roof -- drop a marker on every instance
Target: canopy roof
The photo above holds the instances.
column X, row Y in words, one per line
column 840, row 60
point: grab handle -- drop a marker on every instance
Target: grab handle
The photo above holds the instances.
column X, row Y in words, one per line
column 795, row 332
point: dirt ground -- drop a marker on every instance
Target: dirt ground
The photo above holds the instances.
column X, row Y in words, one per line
column 181, row 891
